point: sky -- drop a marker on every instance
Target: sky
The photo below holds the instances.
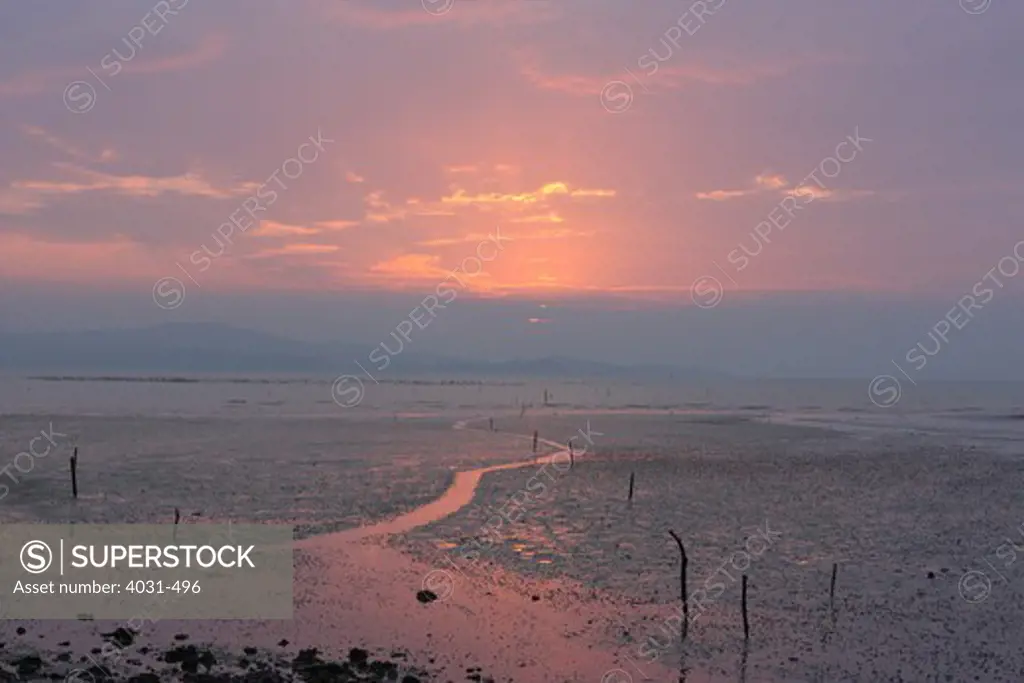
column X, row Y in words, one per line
column 800, row 185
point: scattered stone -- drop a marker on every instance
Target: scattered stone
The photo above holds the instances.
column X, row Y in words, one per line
column 144, row 678
column 121, row 637
column 426, row 596
column 283, row 643
column 358, row 657
column 20, row 630
column 190, row 658
column 28, row 665
column 181, row 636
column 250, row 650
column 931, row 575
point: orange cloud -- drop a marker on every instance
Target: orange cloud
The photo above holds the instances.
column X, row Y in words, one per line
column 461, row 197
column 724, row 195
column 297, row 250
column 550, row 217
column 411, row 267
column 275, row 229
column 190, row 184
column 773, row 182
column 672, row 77
column 336, row 225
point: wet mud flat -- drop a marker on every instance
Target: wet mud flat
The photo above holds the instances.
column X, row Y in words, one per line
column 926, row 534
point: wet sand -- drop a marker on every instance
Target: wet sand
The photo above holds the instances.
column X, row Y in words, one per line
column 907, row 520
column 352, row 588
column 585, row 581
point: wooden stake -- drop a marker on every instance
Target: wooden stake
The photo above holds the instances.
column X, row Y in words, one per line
column 832, row 589
column 631, row 474
column 572, row 455
column 74, row 473
column 535, row 441
column 177, row 516
column 682, row 584
column 746, row 623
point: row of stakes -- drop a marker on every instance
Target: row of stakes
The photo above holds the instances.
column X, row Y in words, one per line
column 682, row 553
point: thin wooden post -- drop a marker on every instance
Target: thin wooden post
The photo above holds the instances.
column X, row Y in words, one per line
column 832, row 588
column 572, row 455
column 177, row 516
column 535, row 441
column 746, row 623
column 682, row 584
column 74, row 473
column 492, row 424
column 631, row 475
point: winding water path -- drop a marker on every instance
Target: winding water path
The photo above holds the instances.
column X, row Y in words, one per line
column 456, row 497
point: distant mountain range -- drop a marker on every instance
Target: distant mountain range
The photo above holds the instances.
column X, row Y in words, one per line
column 211, row 348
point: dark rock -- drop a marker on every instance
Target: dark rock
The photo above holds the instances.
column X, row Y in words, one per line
column 181, row 636
column 283, row 643
column 28, row 665
column 144, row 678
column 358, row 657
column 384, row 670
column 190, row 658
column 426, row 596
column 121, row 637
column 20, row 630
